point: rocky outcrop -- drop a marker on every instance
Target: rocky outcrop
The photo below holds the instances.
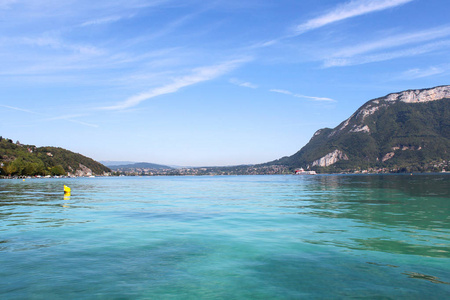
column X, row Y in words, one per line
column 318, row 132
column 83, row 171
column 388, row 156
column 330, row 158
column 360, row 128
column 416, row 96
column 403, row 147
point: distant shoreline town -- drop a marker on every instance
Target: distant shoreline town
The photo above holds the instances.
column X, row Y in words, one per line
column 218, row 171
column 263, row 170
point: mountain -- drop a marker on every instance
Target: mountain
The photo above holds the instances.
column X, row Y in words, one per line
column 119, row 164
column 401, row 132
column 17, row 159
column 110, row 163
column 141, row 165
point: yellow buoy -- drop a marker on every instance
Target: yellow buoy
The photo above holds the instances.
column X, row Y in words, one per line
column 66, row 189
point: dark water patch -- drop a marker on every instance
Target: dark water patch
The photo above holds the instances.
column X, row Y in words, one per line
column 401, row 247
column 384, row 245
column 17, row 244
column 382, row 265
column 429, row 278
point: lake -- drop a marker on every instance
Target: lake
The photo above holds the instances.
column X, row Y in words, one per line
column 226, row 237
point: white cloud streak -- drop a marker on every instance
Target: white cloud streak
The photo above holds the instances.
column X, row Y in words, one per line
column 285, row 92
column 82, row 123
column 417, row 73
column 282, row 92
column 360, row 54
column 409, row 52
column 68, row 118
column 197, row 76
column 60, row 45
column 102, row 21
column 243, row 83
column 342, row 12
column 20, row 109
column 395, row 41
column 348, row 10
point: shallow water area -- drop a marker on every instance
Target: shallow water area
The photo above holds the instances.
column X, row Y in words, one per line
column 226, row 237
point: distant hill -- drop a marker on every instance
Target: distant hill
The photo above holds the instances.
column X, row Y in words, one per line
column 17, row 159
column 405, row 131
column 109, row 163
column 140, row 165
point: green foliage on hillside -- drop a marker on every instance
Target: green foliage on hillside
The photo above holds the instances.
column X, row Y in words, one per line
column 28, row 160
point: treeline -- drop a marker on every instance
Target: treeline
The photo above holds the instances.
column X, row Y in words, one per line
column 28, row 160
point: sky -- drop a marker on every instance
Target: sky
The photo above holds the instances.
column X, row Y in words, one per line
column 207, row 83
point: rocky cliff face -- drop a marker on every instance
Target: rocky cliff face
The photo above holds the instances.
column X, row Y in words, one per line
column 417, row 96
column 330, row 158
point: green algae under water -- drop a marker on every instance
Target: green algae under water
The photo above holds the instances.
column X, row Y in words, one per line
column 226, row 237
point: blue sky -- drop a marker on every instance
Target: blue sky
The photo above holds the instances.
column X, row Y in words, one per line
column 201, row 83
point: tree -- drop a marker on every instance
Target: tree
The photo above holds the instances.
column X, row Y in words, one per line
column 57, row 170
column 8, row 169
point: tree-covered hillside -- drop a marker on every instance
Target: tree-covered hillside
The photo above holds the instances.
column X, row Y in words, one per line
column 28, row 160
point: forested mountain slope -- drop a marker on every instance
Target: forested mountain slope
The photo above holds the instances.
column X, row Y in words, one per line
column 406, row 131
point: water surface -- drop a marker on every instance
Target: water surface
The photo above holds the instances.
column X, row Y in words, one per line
column 226, row 237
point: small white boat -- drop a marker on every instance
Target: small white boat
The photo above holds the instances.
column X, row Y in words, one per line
column 301, row 171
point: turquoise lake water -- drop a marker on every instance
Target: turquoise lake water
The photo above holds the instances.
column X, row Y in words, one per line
column 226, row 237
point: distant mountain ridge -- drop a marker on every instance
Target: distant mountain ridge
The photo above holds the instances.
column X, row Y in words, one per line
column 140, row 165
column 109, row 163
column 407, row 131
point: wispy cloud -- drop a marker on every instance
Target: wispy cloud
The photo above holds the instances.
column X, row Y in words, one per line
column 101, row 21
column 384, row 56
column 395, row 41
column 20, row 109
column 67, row 61
column 175, row 24
column 80, row 122
column 243, row 83
column 282, row 92
column 69, row 118
column 198, row 75
column 342, row 12
column 285, row 92
column 425, row 72
column 348, row 10
column 60, row 45
column 64, row 117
